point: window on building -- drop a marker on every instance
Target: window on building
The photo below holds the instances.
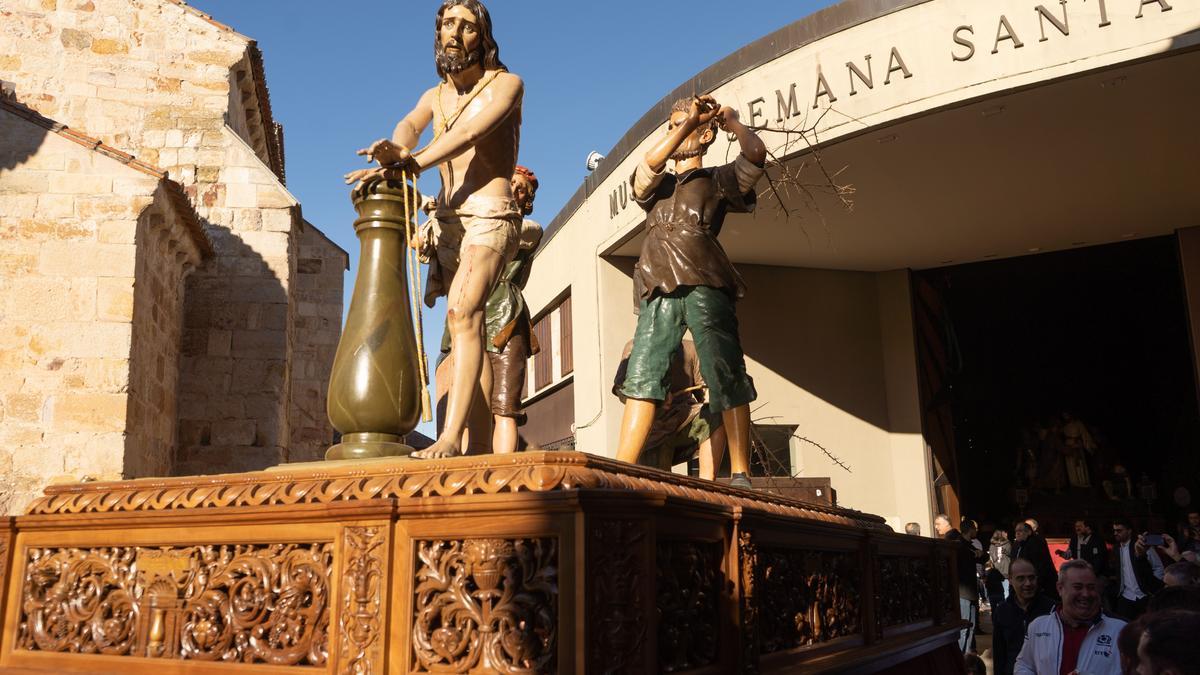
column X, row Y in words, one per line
column 564, row 340
column 553, row 362
column 543, row 361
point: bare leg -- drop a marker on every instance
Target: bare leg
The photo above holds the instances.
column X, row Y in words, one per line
column 712, row 451
column 635, row 427
column 737, row 433
column 477, row 273
column 504, row 437
column 479, row 421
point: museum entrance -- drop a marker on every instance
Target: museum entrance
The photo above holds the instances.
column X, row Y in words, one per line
column 1059, row 385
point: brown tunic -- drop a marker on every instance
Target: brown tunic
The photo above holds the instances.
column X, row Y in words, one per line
column 684, row 217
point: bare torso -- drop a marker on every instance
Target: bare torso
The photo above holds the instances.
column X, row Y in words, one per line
column 485, row 168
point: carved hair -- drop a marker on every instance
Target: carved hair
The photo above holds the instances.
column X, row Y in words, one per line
column 527, row 175
column 489, row 50
column 685, row 105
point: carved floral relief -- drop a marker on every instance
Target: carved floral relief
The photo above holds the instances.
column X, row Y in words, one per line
column 688, row 579
column 486, row 605
column 805, row 597
column 249, row 603
column 617, row 613
column 905, row 591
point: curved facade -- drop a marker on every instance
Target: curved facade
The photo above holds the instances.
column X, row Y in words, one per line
column 970, row 132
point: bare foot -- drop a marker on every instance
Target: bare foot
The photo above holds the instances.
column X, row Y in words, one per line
column 442, row 449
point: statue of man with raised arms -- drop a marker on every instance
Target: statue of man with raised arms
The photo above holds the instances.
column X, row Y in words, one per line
column 476, row 115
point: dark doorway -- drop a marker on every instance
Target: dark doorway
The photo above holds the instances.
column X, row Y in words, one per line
column 1099, row 333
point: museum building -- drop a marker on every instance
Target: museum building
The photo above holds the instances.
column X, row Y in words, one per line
column 1020, row 242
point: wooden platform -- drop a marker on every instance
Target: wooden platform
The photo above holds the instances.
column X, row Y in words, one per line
column 548, row 562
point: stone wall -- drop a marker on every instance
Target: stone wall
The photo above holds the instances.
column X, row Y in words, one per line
column 76, row 226
column 163, row 262
column 238, row 330
column 318, row 301
column 179, row 90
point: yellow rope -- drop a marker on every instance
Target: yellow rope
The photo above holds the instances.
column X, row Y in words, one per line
column 413, row 262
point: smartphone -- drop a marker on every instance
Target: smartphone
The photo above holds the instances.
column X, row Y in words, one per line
column 1153, row 539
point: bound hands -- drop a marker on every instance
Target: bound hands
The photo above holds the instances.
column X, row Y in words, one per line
column 393, row 160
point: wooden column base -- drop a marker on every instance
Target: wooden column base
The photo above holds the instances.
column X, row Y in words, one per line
column 545, row 562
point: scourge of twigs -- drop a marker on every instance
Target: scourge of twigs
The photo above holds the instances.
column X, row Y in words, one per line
column 767, row 458
column 794, row 183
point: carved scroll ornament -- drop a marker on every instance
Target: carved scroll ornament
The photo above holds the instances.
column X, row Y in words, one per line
column 237, row 603
column 486, row 605
column 361, row 618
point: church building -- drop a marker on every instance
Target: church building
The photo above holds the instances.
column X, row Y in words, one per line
column 165, row 308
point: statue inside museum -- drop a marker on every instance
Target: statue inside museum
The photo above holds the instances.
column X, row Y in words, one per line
column 683, row 278
column 476, row 116
column 508, row 335
column 684, row 427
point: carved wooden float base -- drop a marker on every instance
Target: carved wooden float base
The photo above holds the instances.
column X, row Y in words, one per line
column 547, row 562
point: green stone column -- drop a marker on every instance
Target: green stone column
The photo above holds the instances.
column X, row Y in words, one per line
column 375, row 386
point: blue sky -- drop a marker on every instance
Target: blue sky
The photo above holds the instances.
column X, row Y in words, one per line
column 342, row 74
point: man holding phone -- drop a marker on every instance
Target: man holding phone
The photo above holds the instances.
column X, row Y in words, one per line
column 1135, row 575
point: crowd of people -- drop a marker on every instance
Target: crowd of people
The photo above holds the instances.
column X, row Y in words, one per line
column 1132, row 607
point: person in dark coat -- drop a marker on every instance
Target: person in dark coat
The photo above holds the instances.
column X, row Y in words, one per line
column 1030, row 546
column 968, row 586
column 1011, row 617
column 1089, row 546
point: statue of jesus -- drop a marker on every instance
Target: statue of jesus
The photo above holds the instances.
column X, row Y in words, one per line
column 476, row 114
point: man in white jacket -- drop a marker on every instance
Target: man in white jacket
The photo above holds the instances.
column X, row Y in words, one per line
column 1077, row 632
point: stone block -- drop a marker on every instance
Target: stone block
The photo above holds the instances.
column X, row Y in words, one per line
column 74, row 184
column 273, row 197
column 75, row 39
column 107, row 46
column 56, row 206
column 15, row 205
column 241, row 195
column 114, row 299
column 262, row 344
column 74, row 259
column 102, row 78
column 219, row 342
column 24, row 182
column 134, row 186
column 88, row 412
column 258, row 376
column 233, row 432
column 80, row 340
column 117, row 232
column 42, row 299
column 41, row 461
column 23, row 408
column 195, row 432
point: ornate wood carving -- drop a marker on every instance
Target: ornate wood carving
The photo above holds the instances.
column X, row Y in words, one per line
column 747, row 564
column 905, row 590
column 617, row 569
column 486, row 605
column 248, row 603
column 361, row 619
column 806, row 597
column 525, row 472
column 688, row 578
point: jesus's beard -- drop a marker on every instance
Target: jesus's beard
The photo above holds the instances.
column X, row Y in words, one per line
column 452, row 64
